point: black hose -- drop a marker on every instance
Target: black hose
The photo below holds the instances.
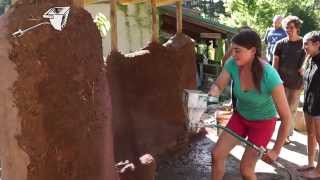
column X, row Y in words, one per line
column 275, row 164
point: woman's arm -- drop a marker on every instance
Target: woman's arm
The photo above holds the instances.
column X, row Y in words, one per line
column 280, row 100
column 277, row 54
column 220, row 83
column 275, row 62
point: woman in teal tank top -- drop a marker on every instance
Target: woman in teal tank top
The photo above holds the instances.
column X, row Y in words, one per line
column 260, row 94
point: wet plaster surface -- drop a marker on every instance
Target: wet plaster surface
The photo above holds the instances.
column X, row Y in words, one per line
column 147, row 88
column 194, row 162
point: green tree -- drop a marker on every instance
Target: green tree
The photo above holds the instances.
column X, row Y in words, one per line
column 102, row 23
column 210, row 9
column 258, row 14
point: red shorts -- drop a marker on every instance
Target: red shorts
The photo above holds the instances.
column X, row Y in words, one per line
column 259, row 132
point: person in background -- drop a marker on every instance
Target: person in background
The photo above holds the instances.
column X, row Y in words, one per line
column 259, row 91
column 288, row 59
column 311, row 107
column 273, row 35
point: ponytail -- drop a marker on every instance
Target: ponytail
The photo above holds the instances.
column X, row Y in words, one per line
column 257, row 73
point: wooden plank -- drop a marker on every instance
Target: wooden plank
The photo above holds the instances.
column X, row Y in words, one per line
column 127, row 2
column 210, row 35
column 205, row 26
column 158, row 2
column 155, row 31
column 88, row 2
column 165, row 2
column 179, row 16
column 114, row 31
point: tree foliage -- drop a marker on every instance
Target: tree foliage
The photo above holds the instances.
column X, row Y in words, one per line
column 258, row 14
column 210, row 9
column 102, row 23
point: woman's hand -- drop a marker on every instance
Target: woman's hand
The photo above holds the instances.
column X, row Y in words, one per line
column 220, row 83
column 270, row 157
column 214, row 90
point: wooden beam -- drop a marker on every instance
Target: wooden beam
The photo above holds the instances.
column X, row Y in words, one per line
column 155, row 31
column 166, row 2
column 210, row 35
column 127, row 2
column 179, row 16
column 114, row 31
column 78, row 3
column 200, row 24
column 158, row 2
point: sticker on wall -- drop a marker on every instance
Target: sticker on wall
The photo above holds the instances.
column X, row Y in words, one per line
column 57, row 16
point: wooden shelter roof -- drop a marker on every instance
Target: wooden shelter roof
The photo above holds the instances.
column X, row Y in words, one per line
column 193, row 24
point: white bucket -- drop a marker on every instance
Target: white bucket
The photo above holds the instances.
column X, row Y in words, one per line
column 195, row 104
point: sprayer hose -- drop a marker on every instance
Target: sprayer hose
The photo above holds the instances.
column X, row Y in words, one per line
column 241, row 139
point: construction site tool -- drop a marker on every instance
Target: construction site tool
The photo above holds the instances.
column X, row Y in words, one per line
column 261, row 150
column 195, row 103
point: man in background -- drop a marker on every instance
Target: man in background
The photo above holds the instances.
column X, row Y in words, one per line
column 288, row 59
column 273, row 35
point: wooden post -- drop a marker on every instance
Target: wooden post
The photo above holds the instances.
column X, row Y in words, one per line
column 155, row 32
column 179, row 16
column 78, row 3
column 226, row 45
column 114, row 32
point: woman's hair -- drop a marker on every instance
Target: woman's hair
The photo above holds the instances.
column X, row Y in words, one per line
column 244, row 28
column 292, row 19
column 250, row 39
column 313, row 36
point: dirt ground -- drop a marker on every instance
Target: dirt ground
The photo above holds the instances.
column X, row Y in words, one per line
column 194, row 162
